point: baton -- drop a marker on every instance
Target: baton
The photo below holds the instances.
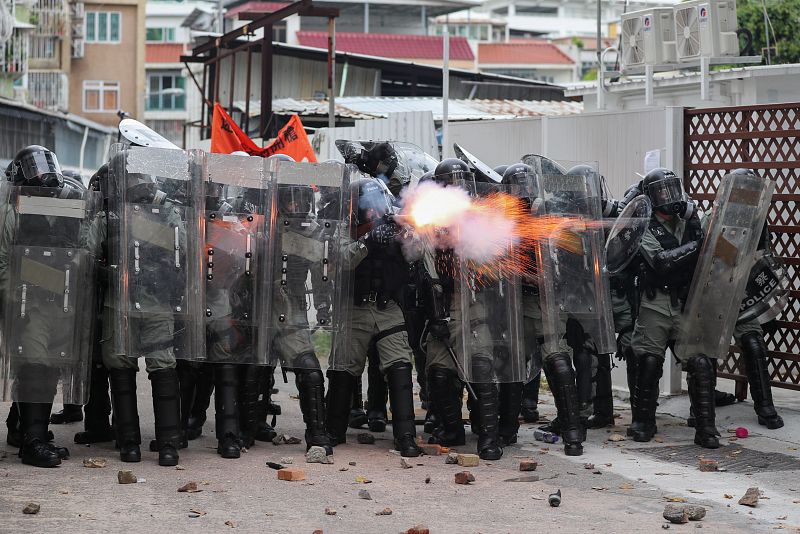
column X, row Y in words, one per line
column 460, row 369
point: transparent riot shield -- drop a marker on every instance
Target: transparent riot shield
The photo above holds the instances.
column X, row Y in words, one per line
column 723, row 266
column 50, row 243
column 310, row 210
column 236, row 217
column 543, row 165
column 490, row 296
column 156, row 246
column 409, row 163
column 626, row 234
column 482, row 171
column 573, row 284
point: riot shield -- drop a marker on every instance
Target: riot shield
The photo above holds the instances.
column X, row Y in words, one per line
column 626, row 234
column 723, row 266
column 574, row 289
column 767, row 291
column 490, row 309
column 310, row 210
column 236, row 203
column 50, row 243
column 156, row 245
column 482, row 171
column 543, row 165
column 412, row 161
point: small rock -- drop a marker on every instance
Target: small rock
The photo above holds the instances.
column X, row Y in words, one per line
column 351, row 464
column 676, row 514
column 404, row 464
column 750, row 498
column 468, row 460
column 291, row 474
column 418, row 529
column 95, row 462
column 451, row 458
column 708, row 465
column 126, row 477
column 427, row 479
column 31, row 508
column 230, row 523
column 665, row 526
column 616, row 437
column 361, row 479
column 344, row 469
column 364, row 494
column 275, row 466
column 365, row 438
column 287, row 460
column 528, row 465
column 464, row 477
column 285, row 439
column 588, row 466
column 317, row 455
column 179, row 467
column 330, row 511
column 189, row 487
column 431, row 449
column 385, row 511
column 695, row 512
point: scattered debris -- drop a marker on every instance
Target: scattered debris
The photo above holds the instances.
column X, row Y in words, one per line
column 742, row 432
column 727, row 495
column 707, row 465
column 588, row 466
column 286, row 439
column 287, row 460
column 363, row 480
column 364, row 494
column 665, row 526
column 599, row 488
column 675, row 499
column 95, row 462
column 126, row 477
column 680, row 514
column 404, row 464
column 616, row 437
column 274, row 465
column 31, row 508
column 529, row 478
column 179, row 467
column 385, row 511
column 428, row 479
column 464, row 477
column 696, row 491
column 365, row 438
column 431, row 449
column 194, row 513
column 351, row 464
column 468, row 460
column 189, row 487
column 528, row 465
column 344, row 469
column 658, row 439
column 330, row 511
column 230, row 523
column 626, row 486
column 318, row 455
column 750, row 498
column 418, row 529
column 291, row 474
column 782, row 517
column 451, row 458
column 555, row 499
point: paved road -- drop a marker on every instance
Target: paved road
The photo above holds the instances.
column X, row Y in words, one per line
column 627, row 495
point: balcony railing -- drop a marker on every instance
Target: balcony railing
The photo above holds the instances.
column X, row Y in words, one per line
column 48, row 90
column 14, row 54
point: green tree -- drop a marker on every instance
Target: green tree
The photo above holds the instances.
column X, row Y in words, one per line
column 784, row 16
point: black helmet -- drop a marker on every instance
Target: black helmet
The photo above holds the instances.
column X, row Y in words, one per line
column 449, row 171
column 73, row 185
column 371, row 200
column 501, row 169
column 426, row 177
column 381, row 160
column 665, row 191
column 35, row 166
column 296, row 200
column 520, row 181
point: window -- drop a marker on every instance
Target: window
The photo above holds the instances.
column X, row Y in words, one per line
column 161, row 35
column 166, row 92
column 100, row 96
column 103, row 27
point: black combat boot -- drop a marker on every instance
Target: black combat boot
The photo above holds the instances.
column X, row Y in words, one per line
column 227, row 410
column 529, row 410
column 561, row 377
column 419, row 365
column 582, row 360
column 249, row 376
column 645, row 402
column 754, row 352
column 358, row 417
column 486, row 406
column 702, row 379
column 510, row 399
column 167, row 412
column 340, row 399
column 126, row 414
column 36, row 450
column 632, row 371
column 603, row 403
column 70, row 413
column 401, row 394
column 203, row 388
column 377, row 396
column 96, row 428
column 310, row 384
column 445, row 390
column 14, row 436
column 188, row 373
column 266, row 382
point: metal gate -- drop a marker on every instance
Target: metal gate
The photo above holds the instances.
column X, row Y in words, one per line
column 765, row 138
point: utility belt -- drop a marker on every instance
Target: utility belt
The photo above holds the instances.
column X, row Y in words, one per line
column 677, row 293
column 530, row 291
column 373, row 297
column 618, row 284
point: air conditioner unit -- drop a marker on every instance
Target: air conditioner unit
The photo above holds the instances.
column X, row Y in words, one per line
column 77, row 48
column 706, row 28
column 648, row 37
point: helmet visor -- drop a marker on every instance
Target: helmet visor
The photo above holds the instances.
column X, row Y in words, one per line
column 40, row 168
column 296, row 200
column 665, row 192
column 455, row 178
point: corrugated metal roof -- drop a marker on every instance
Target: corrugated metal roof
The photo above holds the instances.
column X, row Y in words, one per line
column 399, row 46
column 381, row 107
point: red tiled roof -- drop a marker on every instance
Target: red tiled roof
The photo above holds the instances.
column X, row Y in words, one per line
column 255, row 7
column 532, row 52
column 390, row 45
column 163, row 52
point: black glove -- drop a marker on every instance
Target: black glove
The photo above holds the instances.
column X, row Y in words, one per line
column 440, row 329
column 383, row 235
column 694, row 224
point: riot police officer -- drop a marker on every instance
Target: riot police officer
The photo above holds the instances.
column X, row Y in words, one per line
column 379, row 275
